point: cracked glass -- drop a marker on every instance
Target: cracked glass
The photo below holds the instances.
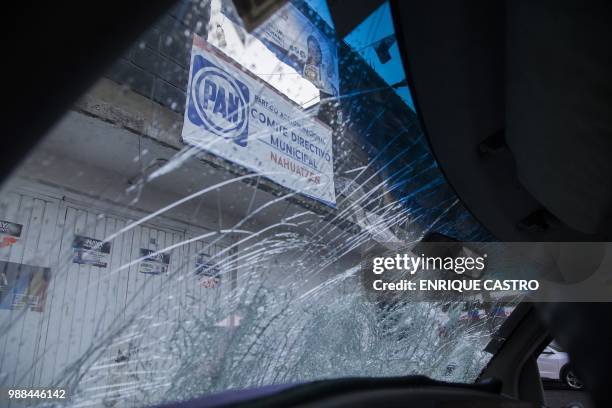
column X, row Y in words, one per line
column 195, row 222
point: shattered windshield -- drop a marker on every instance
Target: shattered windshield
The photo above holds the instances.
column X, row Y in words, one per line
column 195, row 223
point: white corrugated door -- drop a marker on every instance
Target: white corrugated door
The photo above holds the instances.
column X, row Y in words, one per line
column 92, row 314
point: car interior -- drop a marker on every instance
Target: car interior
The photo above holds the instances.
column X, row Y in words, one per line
column 501, row 89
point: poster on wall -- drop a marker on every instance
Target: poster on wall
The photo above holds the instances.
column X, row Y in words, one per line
column 10, row 233
column 90, row 251
column 300, row 44
column 207, row 271
column 23, row 286
column 153, row 264
column 242, row 119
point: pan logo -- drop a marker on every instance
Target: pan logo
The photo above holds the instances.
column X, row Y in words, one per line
column 218, row 102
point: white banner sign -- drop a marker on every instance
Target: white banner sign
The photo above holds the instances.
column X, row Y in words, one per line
column 240, row 118
column 300, row 44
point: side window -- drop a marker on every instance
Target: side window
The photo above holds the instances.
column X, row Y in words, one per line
column 562, row 386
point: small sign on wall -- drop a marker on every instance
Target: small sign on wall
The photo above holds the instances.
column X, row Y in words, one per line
column 90, row 251
column 10, row 233
column 207, row 271
column 153, row 264
column 23, row 286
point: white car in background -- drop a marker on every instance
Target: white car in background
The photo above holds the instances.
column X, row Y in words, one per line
column 553, row 363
